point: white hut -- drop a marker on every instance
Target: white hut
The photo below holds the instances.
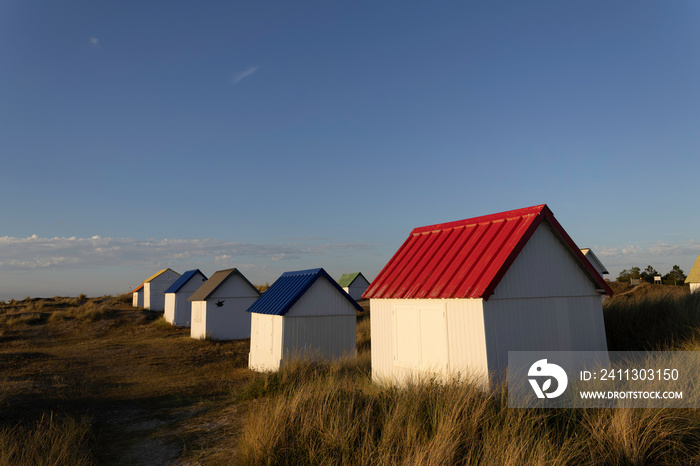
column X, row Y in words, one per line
column 154, row 289
column 303, row 313
column 354, row 284
column 137, row 296
column 178, row 310
column 595, row 262
column 219, row 306
column 693, row 277
column 456, row 297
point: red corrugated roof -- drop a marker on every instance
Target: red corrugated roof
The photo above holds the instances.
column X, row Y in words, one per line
column 467, row 258
column 137, row 288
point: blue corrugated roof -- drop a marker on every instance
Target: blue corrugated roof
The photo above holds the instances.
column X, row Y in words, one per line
column 184, row 278
column 287, row 290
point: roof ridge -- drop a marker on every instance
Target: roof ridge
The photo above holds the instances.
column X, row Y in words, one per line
column 431, row 265
column 533, row 210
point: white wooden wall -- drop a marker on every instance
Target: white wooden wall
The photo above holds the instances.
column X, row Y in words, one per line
column 198, row 324
column 356, row 288
column 544, row 302
column 265, row 342
column 544, row 268
column 170, row 306
column 230, row 321
column 234, row 287
column 137, row 298
column 154, row 291
column 547, row 324
column 415, row 339
column 694, row 287
column 322, row 299
column 178, row 310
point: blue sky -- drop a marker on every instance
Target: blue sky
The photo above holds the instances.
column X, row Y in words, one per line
column 276, row 136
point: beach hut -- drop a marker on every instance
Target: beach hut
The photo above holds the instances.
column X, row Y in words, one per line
column 595, row 262
column 693, row 278
column 177, row 309
column 219, row 306
column 154, row 289
column 137, row 296
column 303, row 313
column 354, row 284
column 456, row 297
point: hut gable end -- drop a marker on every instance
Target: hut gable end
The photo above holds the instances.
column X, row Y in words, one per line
column 544, row 267
column 321, row 299
column 235, row 286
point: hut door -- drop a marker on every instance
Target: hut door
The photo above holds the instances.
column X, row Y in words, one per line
column 263, row 340
column 420, row 336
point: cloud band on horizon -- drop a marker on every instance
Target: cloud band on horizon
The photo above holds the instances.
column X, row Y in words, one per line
column 40, row 253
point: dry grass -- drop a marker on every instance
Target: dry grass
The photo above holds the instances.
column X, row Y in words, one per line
column 651, row 317
column 93, row 381
column 50, row 440
column 107, row 367
column 332, row 414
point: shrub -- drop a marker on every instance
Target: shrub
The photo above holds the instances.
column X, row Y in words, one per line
column 90, row 311
column 31, row 318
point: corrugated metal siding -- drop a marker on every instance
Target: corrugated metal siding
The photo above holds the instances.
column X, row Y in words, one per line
column 465, row 259
column 324, row 337
column 547, row 324
column 544, row 268
column 322, row 299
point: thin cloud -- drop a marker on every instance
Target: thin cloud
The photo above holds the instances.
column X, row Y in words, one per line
column 238, row 77
column 95, row 42
column 33, row 252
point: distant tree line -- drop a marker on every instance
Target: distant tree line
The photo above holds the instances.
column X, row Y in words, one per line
column 675, row 277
